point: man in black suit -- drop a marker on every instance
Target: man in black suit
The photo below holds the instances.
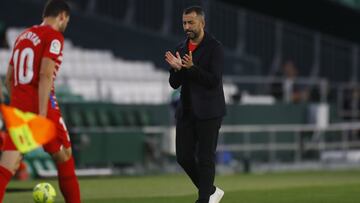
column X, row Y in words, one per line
column 197, row 67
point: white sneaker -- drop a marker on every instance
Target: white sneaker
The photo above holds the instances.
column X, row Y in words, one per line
column 217, row 196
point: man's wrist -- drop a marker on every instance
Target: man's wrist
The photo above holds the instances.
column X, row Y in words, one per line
column 189, row 67
column 177, row 69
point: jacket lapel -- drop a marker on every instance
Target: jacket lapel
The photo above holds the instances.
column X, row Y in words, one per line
column 183, row 49
column 198, row 52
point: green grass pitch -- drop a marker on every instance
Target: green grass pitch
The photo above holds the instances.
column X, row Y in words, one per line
column 299, row 187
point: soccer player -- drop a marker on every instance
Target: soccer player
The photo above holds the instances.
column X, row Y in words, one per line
column 35, row 61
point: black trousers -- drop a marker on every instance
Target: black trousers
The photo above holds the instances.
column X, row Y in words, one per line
column 196, row 142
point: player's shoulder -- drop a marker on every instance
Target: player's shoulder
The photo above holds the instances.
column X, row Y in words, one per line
column 24, row 31
column 48, row 32
column 211, row 40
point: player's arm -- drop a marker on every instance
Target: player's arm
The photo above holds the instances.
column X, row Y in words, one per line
column 47, row 69
column 9, row 79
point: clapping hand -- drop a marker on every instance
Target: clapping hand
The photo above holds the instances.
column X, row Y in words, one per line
column 175, row 62
column 187, row 60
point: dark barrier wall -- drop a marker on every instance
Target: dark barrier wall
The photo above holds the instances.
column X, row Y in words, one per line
column 323, row 15
column 107, row 114
column 81, row 118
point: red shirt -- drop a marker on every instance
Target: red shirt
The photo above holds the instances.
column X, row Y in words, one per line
column 191, row 46
column 30, row 47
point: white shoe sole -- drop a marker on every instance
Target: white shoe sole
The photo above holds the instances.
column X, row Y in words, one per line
column 217, row 196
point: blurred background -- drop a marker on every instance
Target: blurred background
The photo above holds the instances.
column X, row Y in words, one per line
column 291, row 81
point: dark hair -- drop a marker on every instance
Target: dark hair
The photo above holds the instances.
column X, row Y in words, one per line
column 54, row 7
column 197, row 9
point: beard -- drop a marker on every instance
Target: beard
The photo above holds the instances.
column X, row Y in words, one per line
column 62, row 28
column 191, row 34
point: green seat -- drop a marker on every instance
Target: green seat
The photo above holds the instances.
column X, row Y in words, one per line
column 90, row 117
column 143, row 117
column 117, row 118
column 159, row 114
column 130, row 118
column 76, row 119
column 104, row 116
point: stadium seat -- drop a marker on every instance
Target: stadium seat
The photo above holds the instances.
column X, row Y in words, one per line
column 90, row 117
column 104, row 116
column 143, row 117
column 130, row 118
column 98, row 75
column 76, row 119
column 117, row 117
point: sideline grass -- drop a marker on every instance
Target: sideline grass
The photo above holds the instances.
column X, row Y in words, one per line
column 302, row 187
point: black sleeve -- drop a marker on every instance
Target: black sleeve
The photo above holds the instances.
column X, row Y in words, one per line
column 210, row 76
column 176, row 78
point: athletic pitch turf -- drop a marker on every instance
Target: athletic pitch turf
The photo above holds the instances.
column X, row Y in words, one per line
column 301, row 187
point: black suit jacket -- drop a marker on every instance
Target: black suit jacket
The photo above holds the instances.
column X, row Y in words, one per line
column 201, row 85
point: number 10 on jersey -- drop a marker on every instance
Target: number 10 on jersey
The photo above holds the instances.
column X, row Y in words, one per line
column 24, row 70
